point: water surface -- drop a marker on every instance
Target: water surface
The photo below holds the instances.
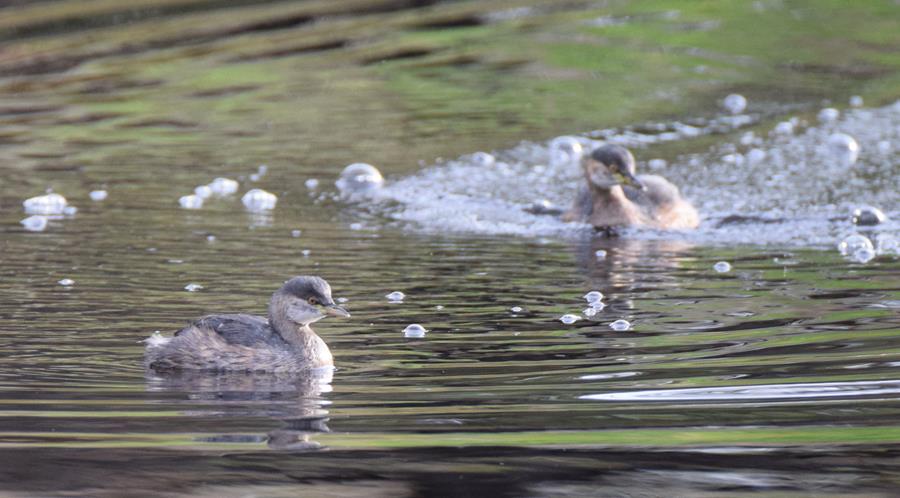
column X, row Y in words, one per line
column 776, row 378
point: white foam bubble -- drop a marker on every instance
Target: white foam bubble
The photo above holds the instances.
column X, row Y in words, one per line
column 483, row 159
column 569, row 319
column 517, row 309
column 296, row 233
column 620, row 325
column 735, row 103
column 844, row 147
column 190, row 201
column 66, row 282
column 414, row 331
column 857, row 248
column 223, row 186
column 311, row 183
column 48, row 204
column 593, row 296
column 35, row 223
column 193, row 287
column 203, row 191
column 784, row 128
column 98, row 195
column 722, row 267
column 756, row 156
column 565, row 150
column 829, row 115
column 856, row 101
column 359, row 178
column 600, row 254
column 395, row 296
column 258, row 200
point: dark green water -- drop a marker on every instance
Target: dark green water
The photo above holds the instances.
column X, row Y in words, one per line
column 778, row 378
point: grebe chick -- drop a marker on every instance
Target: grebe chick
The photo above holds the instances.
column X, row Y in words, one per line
column 615, row 197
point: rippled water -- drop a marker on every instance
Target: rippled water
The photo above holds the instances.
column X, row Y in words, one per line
column 777, row 377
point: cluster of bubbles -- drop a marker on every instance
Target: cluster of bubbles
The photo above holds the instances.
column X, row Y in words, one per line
column 595, row 305
column 860, row 249
column 796, row 175
column 49, row 206
column 255, row 200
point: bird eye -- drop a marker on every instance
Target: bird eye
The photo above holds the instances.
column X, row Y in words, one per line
column 313, row 301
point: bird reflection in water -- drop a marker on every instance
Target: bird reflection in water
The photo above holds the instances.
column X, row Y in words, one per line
column 296, row 400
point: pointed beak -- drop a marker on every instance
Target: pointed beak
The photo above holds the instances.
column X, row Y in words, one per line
column 626, row 178
column 335, row 310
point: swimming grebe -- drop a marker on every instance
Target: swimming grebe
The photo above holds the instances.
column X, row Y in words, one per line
column 283, row 343
column 615, row 197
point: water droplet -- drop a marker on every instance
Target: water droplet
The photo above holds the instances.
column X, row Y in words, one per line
column 203, row 191
column 593, row 296
column 190, row 201
column 722, row 267
column 735, row 103
column 829, row 115
column 356, row 226
column 414, row 331
column 49, row 204
column 856, row 101
column 843, row 147
column 306, row 253
column 620, row 325
column 311, row 183
column 258, row 200
column 853, row 243
column 569, row 319
column 517, row 309
column 66, row 282
column 254, row 177
column 223, row 186
column 262, row 170
column 600, row 254
column 439, row 307
column 210, row 238
column 70, row 210
column 192, row 287
column 342, row 299
column 35, row 223
column 589, row 312
column 565, row 150
column 868, row 216
column 483, row 159
column 359, row 177
column 396, row 296
column 296, row 233
column 98, row 195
